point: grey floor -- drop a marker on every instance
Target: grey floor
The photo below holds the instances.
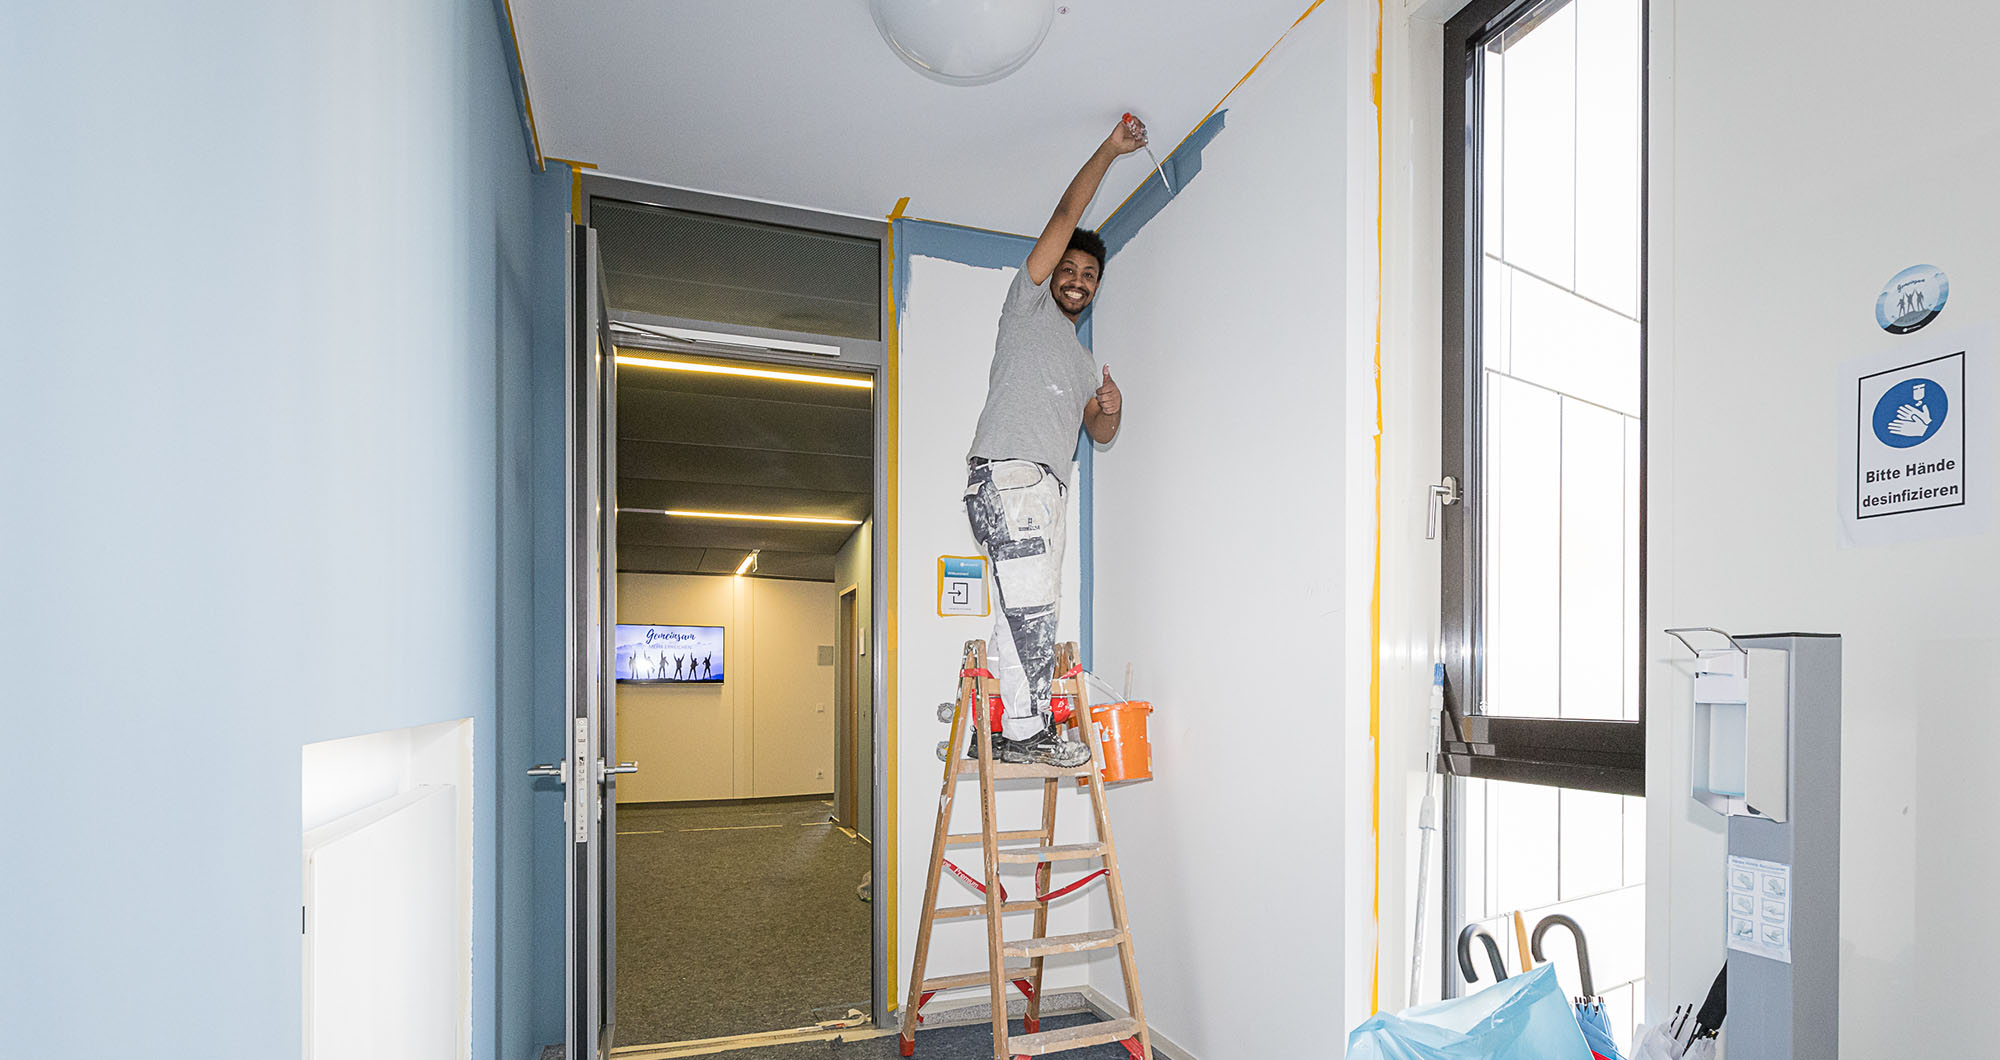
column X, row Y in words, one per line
column 736, row 919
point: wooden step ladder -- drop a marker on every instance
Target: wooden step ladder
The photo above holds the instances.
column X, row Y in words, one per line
column 977, row 688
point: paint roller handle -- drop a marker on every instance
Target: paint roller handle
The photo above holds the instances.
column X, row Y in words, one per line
column 1130, row 122
column 1127, row 136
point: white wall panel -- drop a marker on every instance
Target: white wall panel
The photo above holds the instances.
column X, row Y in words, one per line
column 946, row 345
column 385, row 954
column 1225, row 572
column 1797, row 164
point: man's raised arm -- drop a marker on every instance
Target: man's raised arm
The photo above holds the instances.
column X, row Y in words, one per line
column 1128, row 136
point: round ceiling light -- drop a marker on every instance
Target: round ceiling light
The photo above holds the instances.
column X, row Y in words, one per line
column 964, row 42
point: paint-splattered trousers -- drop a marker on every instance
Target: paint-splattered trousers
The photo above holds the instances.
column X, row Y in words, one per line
column 1018, row 509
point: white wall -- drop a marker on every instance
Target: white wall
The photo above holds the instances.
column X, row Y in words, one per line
column 1797, row 164
column 946, row 344
column 1233, row 568
column 1412, row 204
column 791, row 724
column 765, row 731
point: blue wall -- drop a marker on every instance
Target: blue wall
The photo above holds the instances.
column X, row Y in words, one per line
column 275, row 351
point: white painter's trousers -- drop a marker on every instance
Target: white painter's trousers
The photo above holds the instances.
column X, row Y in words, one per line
column 1018, row 509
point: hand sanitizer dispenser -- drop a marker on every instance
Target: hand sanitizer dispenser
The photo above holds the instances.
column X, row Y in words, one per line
column 1740, row 758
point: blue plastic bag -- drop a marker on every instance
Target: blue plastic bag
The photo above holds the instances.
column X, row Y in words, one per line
column 1522, row 1018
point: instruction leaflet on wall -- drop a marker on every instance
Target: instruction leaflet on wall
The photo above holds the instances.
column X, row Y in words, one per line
column 1760, row 908
column 962, row 586
column 1921, row 455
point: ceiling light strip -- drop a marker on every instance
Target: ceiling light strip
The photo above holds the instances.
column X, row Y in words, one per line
column 860, row 382
column 685, row 514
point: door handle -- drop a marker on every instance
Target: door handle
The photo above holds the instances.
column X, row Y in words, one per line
column 551, row 769
column 1442, row 493
column 622, row 767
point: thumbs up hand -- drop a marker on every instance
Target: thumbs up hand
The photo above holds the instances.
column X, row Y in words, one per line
column 1109, row 401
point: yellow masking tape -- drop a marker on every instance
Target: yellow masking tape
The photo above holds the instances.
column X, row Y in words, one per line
column 1375, row 593
column 1225, row 98
column 576, row 169
column 888, row 393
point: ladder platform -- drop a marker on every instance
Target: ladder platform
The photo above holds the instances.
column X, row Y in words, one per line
column 953, row 982
column 1079, row 1037
column 1008, row 770
column 962, row 838
column 951, row 912
column 1077, row 943
column 1063, row 852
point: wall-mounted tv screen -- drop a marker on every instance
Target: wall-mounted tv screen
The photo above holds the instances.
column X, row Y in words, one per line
column 669, row 654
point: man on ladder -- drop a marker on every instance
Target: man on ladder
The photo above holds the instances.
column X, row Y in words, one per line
column 1040, row 388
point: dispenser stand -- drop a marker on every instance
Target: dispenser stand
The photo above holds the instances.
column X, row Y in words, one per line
column 1790, row 1009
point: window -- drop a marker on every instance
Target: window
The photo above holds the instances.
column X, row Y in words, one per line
column 679, row 263
column 1544, row 404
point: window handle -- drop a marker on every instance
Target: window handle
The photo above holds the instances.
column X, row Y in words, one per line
column 1442, row 493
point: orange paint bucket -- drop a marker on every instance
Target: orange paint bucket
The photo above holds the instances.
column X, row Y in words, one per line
column 1123, row 748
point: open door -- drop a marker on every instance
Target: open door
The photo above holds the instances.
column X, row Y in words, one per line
column 590, row 780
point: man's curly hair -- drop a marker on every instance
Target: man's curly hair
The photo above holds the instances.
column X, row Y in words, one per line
column 1090, row 243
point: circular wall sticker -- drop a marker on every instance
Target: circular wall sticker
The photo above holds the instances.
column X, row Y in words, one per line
column 1911, row 299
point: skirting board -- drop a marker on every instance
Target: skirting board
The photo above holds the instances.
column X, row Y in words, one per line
column 1111, row 1010
column 1081, row 999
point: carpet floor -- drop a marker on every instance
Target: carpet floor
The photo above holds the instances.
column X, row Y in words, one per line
column 735, row 919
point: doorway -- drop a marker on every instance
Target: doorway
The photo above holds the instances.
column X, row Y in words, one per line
column 847, row 706
column 748, row 427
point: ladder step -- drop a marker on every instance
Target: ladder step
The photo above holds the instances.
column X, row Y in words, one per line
column 953, row 982
column 959, row 838
column 1087, row 940
column 1078, row 1037
column 1037, row 855
column 948, row 912
column 1008, row 770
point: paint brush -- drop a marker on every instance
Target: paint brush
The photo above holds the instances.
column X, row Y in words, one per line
column 1157, row 168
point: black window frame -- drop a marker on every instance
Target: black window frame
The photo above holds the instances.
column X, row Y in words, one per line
column 1602, row 756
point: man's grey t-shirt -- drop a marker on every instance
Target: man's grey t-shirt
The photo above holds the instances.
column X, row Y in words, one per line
column 1040, row 382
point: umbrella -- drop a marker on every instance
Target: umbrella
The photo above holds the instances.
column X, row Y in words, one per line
column 1596, row 1027
column 1690, row 1033
column 1485, row 937
column 1590, row 1016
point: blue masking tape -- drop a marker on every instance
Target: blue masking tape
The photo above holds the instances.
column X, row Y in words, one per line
column 1148, row 199
column 967, row 246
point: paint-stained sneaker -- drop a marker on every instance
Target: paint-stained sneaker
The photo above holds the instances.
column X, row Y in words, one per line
column 1044, row 748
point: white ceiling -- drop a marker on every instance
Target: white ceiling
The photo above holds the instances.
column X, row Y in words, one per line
column 801, row 102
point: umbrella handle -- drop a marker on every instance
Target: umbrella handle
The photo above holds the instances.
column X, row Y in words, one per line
column 1492, row 953
column 1582, row 948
